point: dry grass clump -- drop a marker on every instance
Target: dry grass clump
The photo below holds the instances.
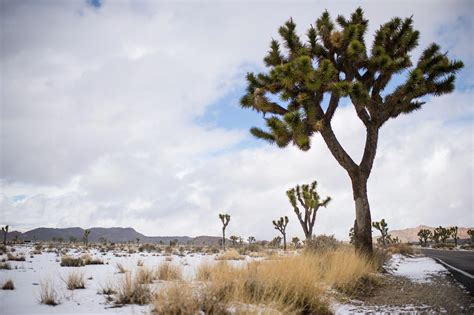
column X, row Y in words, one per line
column 401, row 248
column 144, row 275
column 167, row 272
column 8, row 285
column 230, row 254
column 16, row 258
column 48, row 294
column 131, row 291
column 75, row 280
column 68, row 261
column 88, row 260
column 5, row 266
column 120, row 268
column 181, row 298
column 107, row 289
column 321, row 243
column 291, row 285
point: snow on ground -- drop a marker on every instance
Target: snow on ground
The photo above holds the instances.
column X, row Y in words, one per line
column 418, row 269
column 360, row 308
column 27, row 275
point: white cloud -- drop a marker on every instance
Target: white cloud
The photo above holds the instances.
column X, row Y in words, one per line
column 99, row 111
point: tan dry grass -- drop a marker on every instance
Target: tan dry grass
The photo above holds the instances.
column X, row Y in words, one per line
column 131, row 291
column 48, row 294
column 75, row 280
column 8, row 285
column 167, row 271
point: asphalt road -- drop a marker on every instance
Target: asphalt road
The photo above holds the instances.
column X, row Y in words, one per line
column 459, row 263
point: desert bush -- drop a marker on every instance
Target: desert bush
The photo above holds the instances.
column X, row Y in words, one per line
column 167, row 271
column 16, row 258
column 230, row 254
column 48, row 294
column 8, row 285
column 3, row 249
column 131, row 291
column 444, row 245
column 292, row 285
column 140, row 263
column 107, row 289
column 180, row 298
column 400, row 248
column 68, row 261
column 5, row 266
column 75, row 280
column 88, row 260
column 144, row 275
column 321, row 243
column 120, row 268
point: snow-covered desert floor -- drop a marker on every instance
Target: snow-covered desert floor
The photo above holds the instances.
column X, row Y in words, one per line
column 29, row 274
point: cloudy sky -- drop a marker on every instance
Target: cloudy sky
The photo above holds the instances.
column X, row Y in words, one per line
column 126, row 113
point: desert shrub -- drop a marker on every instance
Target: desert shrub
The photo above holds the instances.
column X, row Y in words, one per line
column 16, row 258
column 321, row 243
column 107, row 289
column 120, row 268
column 140, row 263
column 180, row 298
column 48, row 294
column 443, row 245
column 144, row 275
column 230, row 254
column 167, row 271
column 400, row 248
column 68, row 261
column 8, row 285
column 3, row 249
column 5, row 266
column 75, row 280
column 208, row 271
column 131, row 291
column 88, row 260
column 363, row 287
column 148, row 248
column 38, row 247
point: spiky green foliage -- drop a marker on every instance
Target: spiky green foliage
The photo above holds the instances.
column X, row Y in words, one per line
column 336, row 61
column 310, row 202
column 296, row 241
column 225, row 218
column 423, row 236
column 280, row 225
column 382, row 227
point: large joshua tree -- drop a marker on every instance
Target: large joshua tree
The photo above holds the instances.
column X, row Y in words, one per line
column 310, row 202
column 311, row 78
column 225, row 218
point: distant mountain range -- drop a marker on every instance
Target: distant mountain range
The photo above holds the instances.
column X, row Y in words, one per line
column 114, row 234
column 410, row 234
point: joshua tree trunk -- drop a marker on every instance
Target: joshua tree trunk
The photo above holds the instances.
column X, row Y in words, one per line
column 359, row 175
column 223, row 238
column 284, row 241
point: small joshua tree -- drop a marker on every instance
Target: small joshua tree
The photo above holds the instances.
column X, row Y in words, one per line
column 454, row 234
column 470, row 232
column 280, row 225
column 309, row 199
column 251, row 240
column 5, row 232
column 442, row 234
column 86, row 236
column 296, row 241
column 234, row 239
column 276, row 242
column 382, row 226
column 351, row 236
column 225, row 218
column 423, row 236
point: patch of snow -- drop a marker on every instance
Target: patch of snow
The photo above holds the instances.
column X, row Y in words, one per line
column 360, row 308
column 418, row 269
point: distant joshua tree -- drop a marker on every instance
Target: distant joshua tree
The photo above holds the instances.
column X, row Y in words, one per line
column 441, row 234
column 72, row 239
column 234, row 240
column 296, row 241
column 280, row 225
column 382, row 226
column 86, row 236
column 423, row 236
column 351, row 236
column 225, row 218
column 251, row 240
column 454, row 234
column 276, row 242
column 470, row 232
column 309, row 199
column 5, row 232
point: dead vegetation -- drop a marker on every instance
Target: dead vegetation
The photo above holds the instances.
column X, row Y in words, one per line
column 48, row 294
column 8, row 285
